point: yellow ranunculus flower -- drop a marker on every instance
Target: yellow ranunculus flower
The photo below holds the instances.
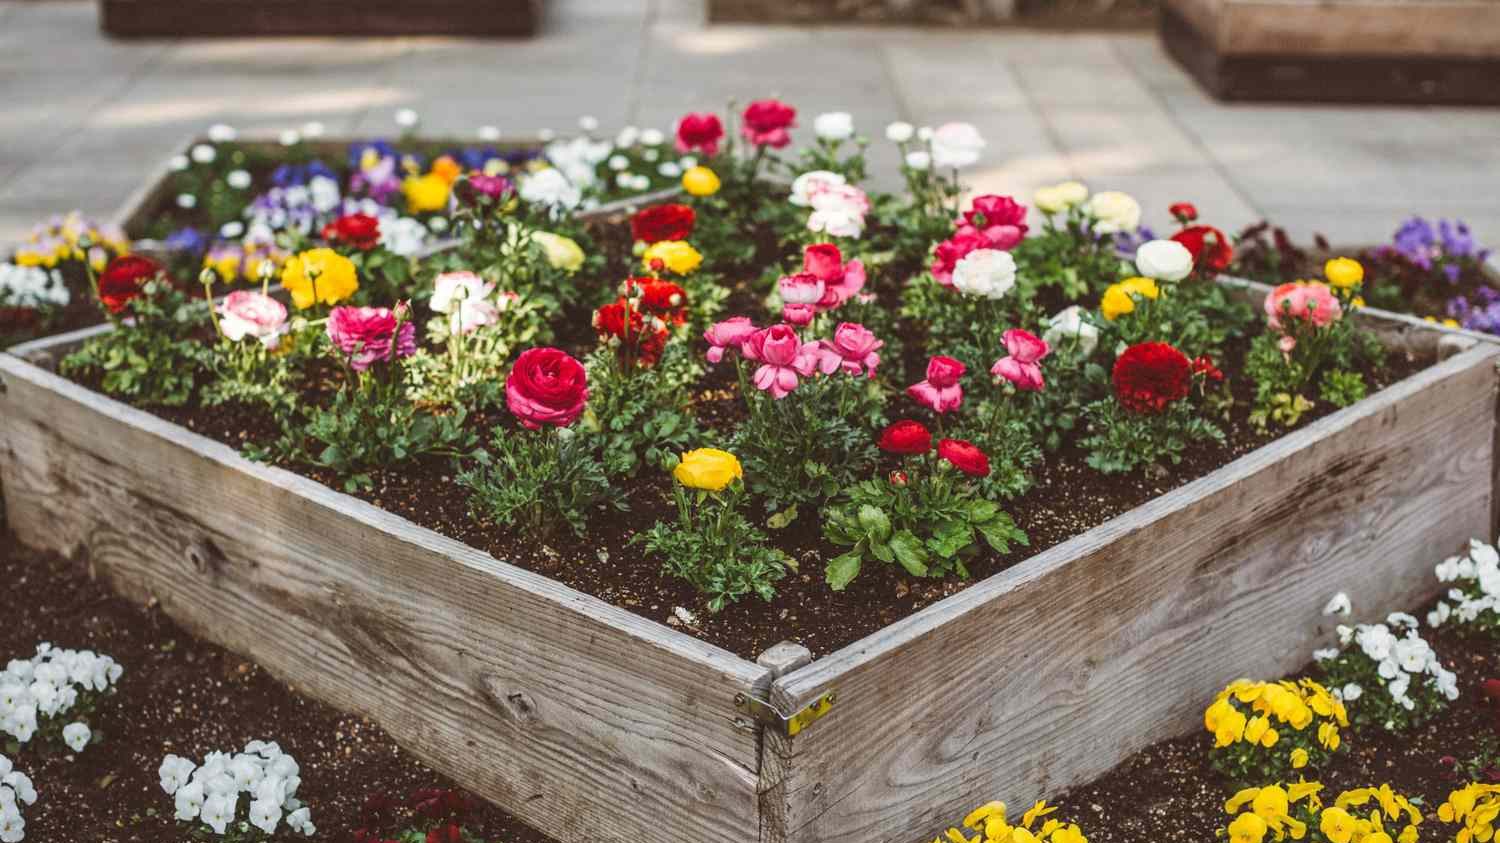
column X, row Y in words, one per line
column 1060, row 197
column 676, row 255
column 1344, row 273
column 1118, row 301
column 425, row 194
column 708, row 468
column 1247, row 828
column 335, row 278
column 562, row 252
column 700, row 181
column 1336, row 825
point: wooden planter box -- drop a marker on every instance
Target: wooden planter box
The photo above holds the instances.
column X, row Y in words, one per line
column 1405, row 51
column 176, row 18
column 592, row 723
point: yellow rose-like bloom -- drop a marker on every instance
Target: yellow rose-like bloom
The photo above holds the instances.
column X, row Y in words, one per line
column 708, row 468
column 425, row 194
column 676, row 255
column 700, row 181
column 1060, row 197
column 1247, row 828
column 1344, row 273
column 336, row 279
column 562, row 252
column 1117, row 300
column 1336, row 825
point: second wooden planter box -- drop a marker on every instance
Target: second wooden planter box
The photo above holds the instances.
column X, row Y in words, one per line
column 590, row 722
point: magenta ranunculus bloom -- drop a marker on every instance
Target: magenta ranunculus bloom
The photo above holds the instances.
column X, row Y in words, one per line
column 700, row 132
column 940, row 392
column 841, row 281
column 785, row 359
column 853, row 349
column 947, row 254
column 765, row 123
column 1000, row 220
column 546, row 386
column 1021, row 366
column 368, row 335
column 730, row 333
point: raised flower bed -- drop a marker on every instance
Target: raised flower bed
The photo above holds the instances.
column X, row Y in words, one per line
column 570, row 682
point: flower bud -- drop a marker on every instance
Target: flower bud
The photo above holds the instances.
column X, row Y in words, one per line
column 899, row 478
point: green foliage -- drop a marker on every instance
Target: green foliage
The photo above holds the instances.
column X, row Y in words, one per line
column 535, row 481
column 384, row 276
column 468, row 369
column 1066, row 256
column 928, row 523
column 715, row 548
column 1121, row 441
column 247, row 373
column 157, row 360
column 361, row 432
column 1341, row 388
column 641, row 417
column 1328, row 356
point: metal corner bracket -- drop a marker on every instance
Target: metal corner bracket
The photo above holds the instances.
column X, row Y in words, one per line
column 763, row 712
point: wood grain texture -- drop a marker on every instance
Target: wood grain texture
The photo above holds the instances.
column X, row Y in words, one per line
column 578, row 717
column 1048, row 674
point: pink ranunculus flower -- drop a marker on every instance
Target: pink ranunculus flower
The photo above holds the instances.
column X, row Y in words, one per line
column 546, row 386
column 244, row 313
column 765, row 123
column 841, row 281
column 730, row 333
column 1000, row 220
column 1021, row 367
column 801, row 288
column 798, row 315
column 367, row 335
column 785, row 359
column 947, row 254
column 464, row 297
column 853, row 349
column 940, row 392
column 1310, row 302
column 699, row 131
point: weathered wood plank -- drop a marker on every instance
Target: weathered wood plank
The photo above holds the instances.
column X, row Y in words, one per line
column 576, row 716
column 1048, row 674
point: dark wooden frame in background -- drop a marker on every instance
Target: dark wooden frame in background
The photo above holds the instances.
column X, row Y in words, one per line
column 180, row 18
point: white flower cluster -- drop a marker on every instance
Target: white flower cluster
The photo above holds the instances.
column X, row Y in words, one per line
column 15, row 790
column 32, row 286
column 1476, row 591
column 552, row 189
column 48, row 685
column 211, row 792
column 576, row 159
column 838, row 208
column 1400, row 655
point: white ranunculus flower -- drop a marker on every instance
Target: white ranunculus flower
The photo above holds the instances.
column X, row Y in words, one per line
column 627, row 137
column 290, row 137
column 222, row 133
column 900, row 132
column 924, row 134
column 1069, row 323
column 919, row 160
column 652, row 137
column 203, row 153
column 76, row 736
column 406, row 118
column 314, row 129
column 669, row 169
column 1339, row 605
column 838, row 221
column 1164, row 260
column 405, row 236
column 956, row 145
column 618, row 163
column 804, row 185
column 1114, row 212
column 551, row 188
column 985, row 273
column 834, row 125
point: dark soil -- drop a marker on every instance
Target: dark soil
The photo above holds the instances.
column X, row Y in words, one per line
column 181, row 695
column 1170, row 792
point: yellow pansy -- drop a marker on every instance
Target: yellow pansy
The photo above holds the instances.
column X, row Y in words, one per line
column 984, row 812
column 709, row 469
column 425, row 194
column 700, row 181
column 1328, row 736
column 675, row 255
column 1247, row 828
column 1040, row 809
column 1271, row 803
column 1344, row 273
column 319, row 275
column 1299, row 758
column 562, row 252
column 1119, row 300
column 1336, row 825
column 225, row 264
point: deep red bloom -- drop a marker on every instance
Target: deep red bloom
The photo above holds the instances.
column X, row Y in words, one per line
column 450, row 833
column 359, row 231
column 1183, row 212
column 123, row 278
column 662, row 222
column 638, row 338
column 899, row 478
column 906, row 437
column 1150, row 375
column 700, row 132
column 765, row 123
column 1000, row 220
column 1204, row 365
column 665, row 299
column 1211, row 250
column 965, row 456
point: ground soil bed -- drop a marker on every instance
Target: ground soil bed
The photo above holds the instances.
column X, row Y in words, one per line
column 1068, row 498
column 181, row 695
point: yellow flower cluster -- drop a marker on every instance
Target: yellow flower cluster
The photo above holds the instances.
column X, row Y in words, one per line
column 319, row 275
column 991, row 825
column 1477, row 808
column 1119, row 298
column 1249, row 719
column 700, row 181
column 709, row 469
column 1060, row 197
column 1288, row 812
column 62, row 239
column 676, row 256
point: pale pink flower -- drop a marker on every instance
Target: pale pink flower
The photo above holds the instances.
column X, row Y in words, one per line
column 1021, row 367
column 802, row 288
column 853, row 348
column 785, row 359
column 730, row 333
column 798, row 315
column 940, row 392
column 244, row 313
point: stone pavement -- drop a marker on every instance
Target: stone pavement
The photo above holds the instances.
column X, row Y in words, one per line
column 86, row 119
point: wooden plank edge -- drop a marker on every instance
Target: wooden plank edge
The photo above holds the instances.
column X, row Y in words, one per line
column 802, row 686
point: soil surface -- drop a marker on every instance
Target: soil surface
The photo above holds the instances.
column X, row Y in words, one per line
column 183, row 696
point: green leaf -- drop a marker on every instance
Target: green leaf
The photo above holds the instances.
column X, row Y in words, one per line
column 910, row 552
column 882, row 551
column 874, row 522
column 783, row 518
column 843, row 569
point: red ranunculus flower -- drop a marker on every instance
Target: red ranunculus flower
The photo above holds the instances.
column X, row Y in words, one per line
column 1183, row 212
column 660, row 298
column 123, row 278
column 662, row 222
column 765, row 123
column 700, row 132
column 1211, row 250
column 639, row 338
column 965, row 456
column 1150, row 375
column 449, row 833
column 947, row 254
column 1204, row 365
column 905, row 437
column 359, row 231
column 546, row 386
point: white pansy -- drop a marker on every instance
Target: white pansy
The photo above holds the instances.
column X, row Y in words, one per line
column 232, row 230
column 628, row 137
column 1326, row 654
column 31, row 286
column 218, row 812
column 919, row 160
column 1439, row 614
column 265, row 815
column 203, row 153
column 1068, row 324
column 48, row 686
column 618, row 163
column 1114, row 212
column 76, row 736
column 1164, row 260
column 300, row 821
column 924, row 134
column 985, row 273
column 804, row 185
column 956, row 145
column 688, row 162
column 669, row 169
column 211, row 793
column 222, row 133
column 1376, row 640
column 1338, row 605
column 899, row 132
column 187, row 200
column 324, row 193
column 238, row 179
column 189, row 801
column 406, row 118
column 289, row 137
column 834, row 126
column 174, row 772
column 1351, row 692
